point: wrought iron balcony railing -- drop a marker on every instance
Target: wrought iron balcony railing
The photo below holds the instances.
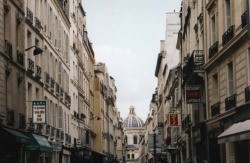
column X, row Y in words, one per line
column 38, row 24
column 215, row 109
column 244, row 19
column 230, row 102
column 31, row 66
column 20, row 59
column 228, row 35
column 247, row 94
column 29, row 15
column 47, row 78
column 38, row 72
column 213, row 49
column 8, row 49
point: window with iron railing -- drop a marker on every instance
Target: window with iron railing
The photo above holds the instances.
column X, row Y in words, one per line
column 8, row 49
column 244, row 19
column 215, row 109
column 29, row 15
column 228, row 35
column 20, row 57
column 213, row 49
column 31, row 66
column 230, row 102
column 38, row 24
column 38, row 72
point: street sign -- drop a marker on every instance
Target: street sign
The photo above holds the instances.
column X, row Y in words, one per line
column 39, row 112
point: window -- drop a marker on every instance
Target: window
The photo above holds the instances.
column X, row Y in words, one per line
column 213, row 30
column 135, row 139
column 133, row 156
column 128, row 156
column 230, row 83
column 215, row 88
column 227, row 14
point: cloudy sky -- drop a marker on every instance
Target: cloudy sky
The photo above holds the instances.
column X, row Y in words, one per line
column 126, row 36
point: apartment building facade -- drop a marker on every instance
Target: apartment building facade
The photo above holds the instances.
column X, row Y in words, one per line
column 227, row 79
column 106, row 118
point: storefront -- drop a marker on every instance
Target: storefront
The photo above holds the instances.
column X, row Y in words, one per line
column 12, row 146
column 38, row 149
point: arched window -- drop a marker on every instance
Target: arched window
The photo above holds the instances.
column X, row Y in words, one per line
column 128, row 156
column 135, row 139
column 133, row 156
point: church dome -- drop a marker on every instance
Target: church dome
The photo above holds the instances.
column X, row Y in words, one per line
column 132, row 121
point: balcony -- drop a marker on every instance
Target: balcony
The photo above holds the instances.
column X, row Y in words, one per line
column 215, row 109
column 47, row 79
column 57, row 88
column 52, row 84
column 213, row 49
column 230, row 102
column 62, row 135
column 10, row 117
column 8, row 49
column 38, row 24
column 29, row 15
column 38, row 72
column 247, row 94
column 244, row 19
column 20, row 60
column 228, row 35
column 31, row 66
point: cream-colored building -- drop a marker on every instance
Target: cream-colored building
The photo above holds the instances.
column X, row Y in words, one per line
column 106, row 118
column 227, row 79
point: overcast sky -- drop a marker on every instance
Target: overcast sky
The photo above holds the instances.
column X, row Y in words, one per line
column 126, row 36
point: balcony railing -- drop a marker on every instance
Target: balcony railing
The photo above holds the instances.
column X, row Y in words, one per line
column 20, row 60
column 47, row 78
column 215, row 109
column 29, row 15
column 247, row 94
column 244, row 19
column 38, row 72
column 37, row 24
column 8, row 49
column 230, row 102
column 213, row 50
column 52, row 84
column 228, row 35
column 31, row 66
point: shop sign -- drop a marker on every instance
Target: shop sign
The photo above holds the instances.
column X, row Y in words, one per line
column 39, row 112
column 198, row 61
column 193, row 94
column 174, row 120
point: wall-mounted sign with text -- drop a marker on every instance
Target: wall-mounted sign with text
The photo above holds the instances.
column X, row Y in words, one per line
column 39, row 112
column 193, row 94
column 174, row 120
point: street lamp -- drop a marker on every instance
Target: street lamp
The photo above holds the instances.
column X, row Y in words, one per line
column 36, row 51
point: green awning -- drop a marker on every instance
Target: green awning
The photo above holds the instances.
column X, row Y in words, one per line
column 10, row 135
column 38, row 143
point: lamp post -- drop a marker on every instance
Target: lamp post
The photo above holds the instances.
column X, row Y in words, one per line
column 36, row 51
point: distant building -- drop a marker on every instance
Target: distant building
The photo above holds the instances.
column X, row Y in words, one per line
column 133, row 131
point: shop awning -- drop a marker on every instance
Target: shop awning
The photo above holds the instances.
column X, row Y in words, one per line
column 238, row 131
column 38, row 143
column 10, row 135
